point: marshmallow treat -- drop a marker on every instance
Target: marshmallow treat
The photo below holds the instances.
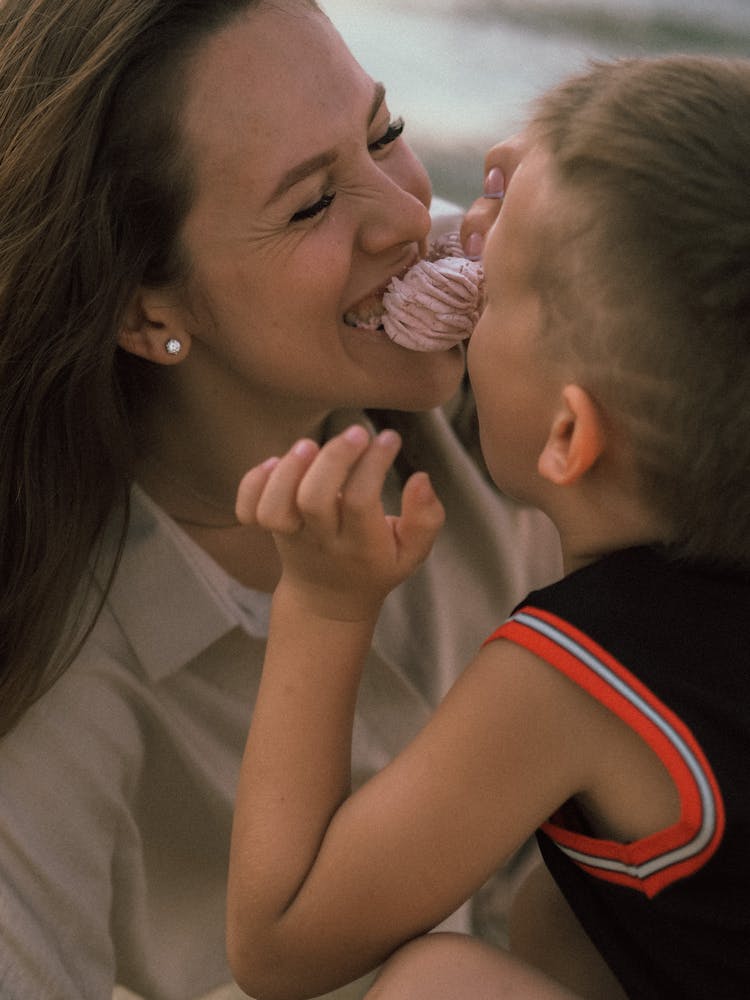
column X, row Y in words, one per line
column 437, row 303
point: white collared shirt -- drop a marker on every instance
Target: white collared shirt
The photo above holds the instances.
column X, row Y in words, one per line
column 116, row 788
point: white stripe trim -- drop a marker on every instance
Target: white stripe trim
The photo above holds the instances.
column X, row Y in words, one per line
column 708, row 825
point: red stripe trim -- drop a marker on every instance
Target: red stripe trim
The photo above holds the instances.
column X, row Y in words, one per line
column 691, row 819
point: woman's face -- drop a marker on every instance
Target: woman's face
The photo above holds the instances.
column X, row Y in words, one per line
column 307, row 203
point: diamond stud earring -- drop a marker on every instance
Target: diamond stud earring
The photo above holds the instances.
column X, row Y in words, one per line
column 173, row 346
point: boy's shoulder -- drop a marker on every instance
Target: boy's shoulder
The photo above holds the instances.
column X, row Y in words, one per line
column 650, row 590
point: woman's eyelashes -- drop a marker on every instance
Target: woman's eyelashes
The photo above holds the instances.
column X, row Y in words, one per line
column 393, row 132
column 312, row 210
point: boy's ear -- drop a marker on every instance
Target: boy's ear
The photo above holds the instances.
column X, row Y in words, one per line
column 576, row 438
column 152, row 328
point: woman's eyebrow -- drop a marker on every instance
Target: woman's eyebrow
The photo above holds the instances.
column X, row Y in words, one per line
column 302, row 170
column 322, row 160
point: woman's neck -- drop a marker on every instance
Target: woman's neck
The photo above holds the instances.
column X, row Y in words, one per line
column 192, row 468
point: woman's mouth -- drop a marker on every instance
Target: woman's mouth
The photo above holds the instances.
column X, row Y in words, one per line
column 367, row 314
column 433, row 306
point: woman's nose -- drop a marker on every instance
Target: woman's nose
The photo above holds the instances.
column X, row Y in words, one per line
column 399, row 213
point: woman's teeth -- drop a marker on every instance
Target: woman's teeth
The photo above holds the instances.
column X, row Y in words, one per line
column 357, row 323
column 368, row 314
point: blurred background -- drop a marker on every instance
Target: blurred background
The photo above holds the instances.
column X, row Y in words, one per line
column 462, row 72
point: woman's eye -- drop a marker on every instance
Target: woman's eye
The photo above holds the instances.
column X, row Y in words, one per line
column 313, row 210
column 392, row 133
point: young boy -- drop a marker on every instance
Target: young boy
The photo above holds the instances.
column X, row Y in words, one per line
column 611, row 713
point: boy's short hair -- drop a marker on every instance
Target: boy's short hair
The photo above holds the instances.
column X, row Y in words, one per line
column 649, row 286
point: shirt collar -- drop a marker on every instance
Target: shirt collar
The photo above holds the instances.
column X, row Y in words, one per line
column 166, row 608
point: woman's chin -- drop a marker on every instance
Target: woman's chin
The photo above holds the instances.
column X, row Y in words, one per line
column 422, row 380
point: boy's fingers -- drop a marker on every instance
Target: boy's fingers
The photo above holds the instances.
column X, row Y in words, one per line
column 250, row 489
column 364, row 487
column 476, row 224
column 276, row 508
column 422, row 516
column 500, row 164
column 342, row 479
column 321, row 490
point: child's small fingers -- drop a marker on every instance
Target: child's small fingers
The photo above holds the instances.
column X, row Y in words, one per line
column 422, row 516
column 364, row 487
column 500, row 164
column 277, row 508
column 250, row 489
column 321, row 489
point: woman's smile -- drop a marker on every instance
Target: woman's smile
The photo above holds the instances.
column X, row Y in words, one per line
column 295, row 233
column 367, row 312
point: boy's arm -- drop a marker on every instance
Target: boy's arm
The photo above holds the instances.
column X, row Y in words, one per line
column 323, row 886
column 341, row 556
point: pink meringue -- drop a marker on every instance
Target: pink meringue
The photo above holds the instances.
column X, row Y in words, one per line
column 438, row 302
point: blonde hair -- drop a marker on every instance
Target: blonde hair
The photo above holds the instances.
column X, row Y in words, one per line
column 650, row 286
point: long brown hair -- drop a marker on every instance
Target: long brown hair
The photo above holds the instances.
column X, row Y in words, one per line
column 93, row 189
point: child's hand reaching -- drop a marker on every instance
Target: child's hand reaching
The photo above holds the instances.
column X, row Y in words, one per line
column 341, row 553
column 500, row 164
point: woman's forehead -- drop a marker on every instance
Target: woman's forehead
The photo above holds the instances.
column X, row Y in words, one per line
column 267, row 84
column 269, row 68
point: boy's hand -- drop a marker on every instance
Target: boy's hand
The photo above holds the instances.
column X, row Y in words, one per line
column 499, row 165
column 341, row 553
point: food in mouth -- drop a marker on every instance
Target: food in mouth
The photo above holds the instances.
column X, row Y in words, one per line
column 435, row 305
column 368, row 315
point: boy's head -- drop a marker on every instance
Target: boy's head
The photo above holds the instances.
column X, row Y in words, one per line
column 645, row 278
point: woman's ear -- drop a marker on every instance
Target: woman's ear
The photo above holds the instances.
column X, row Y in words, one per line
column 152, row 328
column 576, row 438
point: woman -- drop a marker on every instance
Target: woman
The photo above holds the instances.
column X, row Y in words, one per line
column 197, row 201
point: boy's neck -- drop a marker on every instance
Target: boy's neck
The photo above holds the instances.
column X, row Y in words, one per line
column 591, row 531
